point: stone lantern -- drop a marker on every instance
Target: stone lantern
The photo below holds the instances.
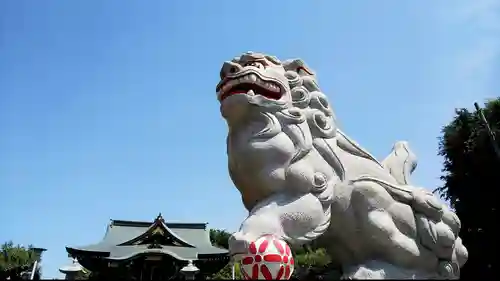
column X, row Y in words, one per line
column 71, row 270
column 37, row 252
column 190, row 270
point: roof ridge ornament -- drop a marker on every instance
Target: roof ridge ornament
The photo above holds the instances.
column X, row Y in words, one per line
column 160, row 218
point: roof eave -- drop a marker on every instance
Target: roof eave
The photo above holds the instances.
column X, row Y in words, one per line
column 73, row 251
column 149, row 252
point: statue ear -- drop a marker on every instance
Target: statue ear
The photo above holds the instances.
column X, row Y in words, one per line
column 292, row 64
column 236, row 59
column 273, row 59
column 298, row 66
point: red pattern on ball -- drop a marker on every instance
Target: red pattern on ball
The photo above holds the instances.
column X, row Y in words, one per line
column 269, row 258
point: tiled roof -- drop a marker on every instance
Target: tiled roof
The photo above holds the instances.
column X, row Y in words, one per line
column 126, row 239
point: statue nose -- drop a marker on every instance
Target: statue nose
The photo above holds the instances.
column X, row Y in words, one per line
column 229, row 68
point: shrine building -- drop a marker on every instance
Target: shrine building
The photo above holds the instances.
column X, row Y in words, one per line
column 157, row 250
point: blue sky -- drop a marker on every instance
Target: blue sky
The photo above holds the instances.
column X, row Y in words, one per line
column 108, row 110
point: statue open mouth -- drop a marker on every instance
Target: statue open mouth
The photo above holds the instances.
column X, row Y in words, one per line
column 250, row 84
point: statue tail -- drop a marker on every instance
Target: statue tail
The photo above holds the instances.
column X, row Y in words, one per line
column 401, row 162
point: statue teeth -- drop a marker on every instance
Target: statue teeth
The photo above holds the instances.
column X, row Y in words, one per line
column 271, row 86
column 248, row 78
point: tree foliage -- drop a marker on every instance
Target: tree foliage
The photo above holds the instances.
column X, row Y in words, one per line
column 317, row 258
column 471, row 173
column 311, row 262
column 17, row 258
column 220, row 238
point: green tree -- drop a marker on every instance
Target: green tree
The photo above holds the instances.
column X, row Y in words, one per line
column 471, row 174
column 317, row 258
column 313, row 262
column 17, row 258
column 220, row 238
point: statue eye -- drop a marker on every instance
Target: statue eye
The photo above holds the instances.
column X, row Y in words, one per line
column 255, row 64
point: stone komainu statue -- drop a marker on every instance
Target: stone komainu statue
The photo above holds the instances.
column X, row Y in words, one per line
column 301, row 178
